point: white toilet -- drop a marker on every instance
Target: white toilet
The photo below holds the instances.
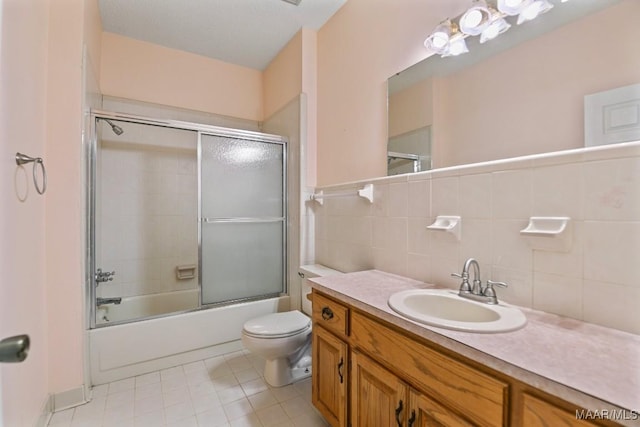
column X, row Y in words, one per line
column 284, row 339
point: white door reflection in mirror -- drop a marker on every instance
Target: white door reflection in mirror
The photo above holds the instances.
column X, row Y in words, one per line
column 612, row 116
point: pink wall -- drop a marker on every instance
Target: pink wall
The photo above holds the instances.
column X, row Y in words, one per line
column 522, row 112
column 310, row 89
column 291, row 72
column 361, row 46
column 65, row 208
column 41, row 247
column 23, row 308
column 411, row 108
column 282, row 79
column 146, row 72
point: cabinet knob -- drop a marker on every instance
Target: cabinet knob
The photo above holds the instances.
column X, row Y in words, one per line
column 327, row 313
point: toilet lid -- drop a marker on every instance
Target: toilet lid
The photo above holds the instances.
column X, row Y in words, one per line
column 277, row 324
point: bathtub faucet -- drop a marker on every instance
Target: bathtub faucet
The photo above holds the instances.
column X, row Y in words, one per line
column 103, row 301
column 104, row 276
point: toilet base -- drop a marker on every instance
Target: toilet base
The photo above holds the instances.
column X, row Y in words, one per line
column 279, row 372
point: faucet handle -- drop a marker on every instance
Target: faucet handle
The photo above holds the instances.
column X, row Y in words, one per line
column 490, row 293
column 464, row 286
column 492, row 283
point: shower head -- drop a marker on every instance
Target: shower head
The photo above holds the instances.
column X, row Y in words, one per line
column 114, row 127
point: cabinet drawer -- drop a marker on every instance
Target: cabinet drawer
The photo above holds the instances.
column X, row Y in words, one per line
column 447, row 380
column 330, row 314
column 538, row 413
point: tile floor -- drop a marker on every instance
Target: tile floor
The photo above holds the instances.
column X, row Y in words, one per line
column 224, row 391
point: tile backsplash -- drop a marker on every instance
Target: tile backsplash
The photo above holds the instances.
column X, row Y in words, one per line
column 596, row 280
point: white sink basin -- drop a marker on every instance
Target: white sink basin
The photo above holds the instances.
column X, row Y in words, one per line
column 445, row 309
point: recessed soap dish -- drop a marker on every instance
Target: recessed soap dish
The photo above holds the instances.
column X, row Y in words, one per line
column 551, row 233
column 448, row 223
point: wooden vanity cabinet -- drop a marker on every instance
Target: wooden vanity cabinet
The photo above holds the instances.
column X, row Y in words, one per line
column 381, row 399
column 330, row 359
column 541, row 413
column 459, row 388
column 426, row 412
column 367, row 373
column 378, row 398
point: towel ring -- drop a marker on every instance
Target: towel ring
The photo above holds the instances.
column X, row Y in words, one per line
column 22, row 159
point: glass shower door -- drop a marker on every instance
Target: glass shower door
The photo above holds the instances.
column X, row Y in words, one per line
column 242, row 218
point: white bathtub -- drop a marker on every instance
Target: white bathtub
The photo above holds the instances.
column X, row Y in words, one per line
column 122, row 351
column 148, row 305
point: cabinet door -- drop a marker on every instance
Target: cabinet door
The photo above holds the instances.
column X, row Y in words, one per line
column 425, row 412
column 378, row 398
column 329, row 376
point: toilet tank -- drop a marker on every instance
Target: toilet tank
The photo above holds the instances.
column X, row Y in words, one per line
column 307, row 272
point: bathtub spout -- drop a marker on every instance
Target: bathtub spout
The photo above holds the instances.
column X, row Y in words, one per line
column 103, row 301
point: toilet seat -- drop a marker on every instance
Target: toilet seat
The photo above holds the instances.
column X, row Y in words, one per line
column 277, row 325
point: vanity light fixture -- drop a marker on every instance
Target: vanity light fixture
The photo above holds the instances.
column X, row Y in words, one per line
column 447, row 40
column 440, row 38
column 485, row 18
column 476, row 18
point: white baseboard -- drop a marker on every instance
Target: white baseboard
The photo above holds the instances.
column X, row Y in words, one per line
column 69, row 399
column 45, row 414
column 59, row 402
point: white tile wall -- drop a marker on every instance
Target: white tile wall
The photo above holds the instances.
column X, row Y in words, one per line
column 147, row 216
column 597, row 280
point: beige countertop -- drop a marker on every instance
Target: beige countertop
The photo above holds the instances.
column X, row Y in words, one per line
column 589, row 365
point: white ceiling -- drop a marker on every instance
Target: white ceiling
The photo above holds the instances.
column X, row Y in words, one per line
column 243, row 32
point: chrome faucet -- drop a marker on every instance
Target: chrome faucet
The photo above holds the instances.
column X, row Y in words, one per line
column 475, row 291
column 104, row 276
column 103, row 301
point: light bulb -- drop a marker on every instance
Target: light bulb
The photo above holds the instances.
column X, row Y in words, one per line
column 438, row 40
column 494, row 29
column 475, row 19
column 457, row 46
column 533, row 10
column 512, row 7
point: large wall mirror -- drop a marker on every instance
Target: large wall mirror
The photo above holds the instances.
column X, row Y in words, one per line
column 519, row 94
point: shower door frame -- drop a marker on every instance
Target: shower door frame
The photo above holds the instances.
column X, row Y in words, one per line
column 283, row 220
column 201, row 129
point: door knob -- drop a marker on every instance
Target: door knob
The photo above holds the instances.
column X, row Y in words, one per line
column 14, row 349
